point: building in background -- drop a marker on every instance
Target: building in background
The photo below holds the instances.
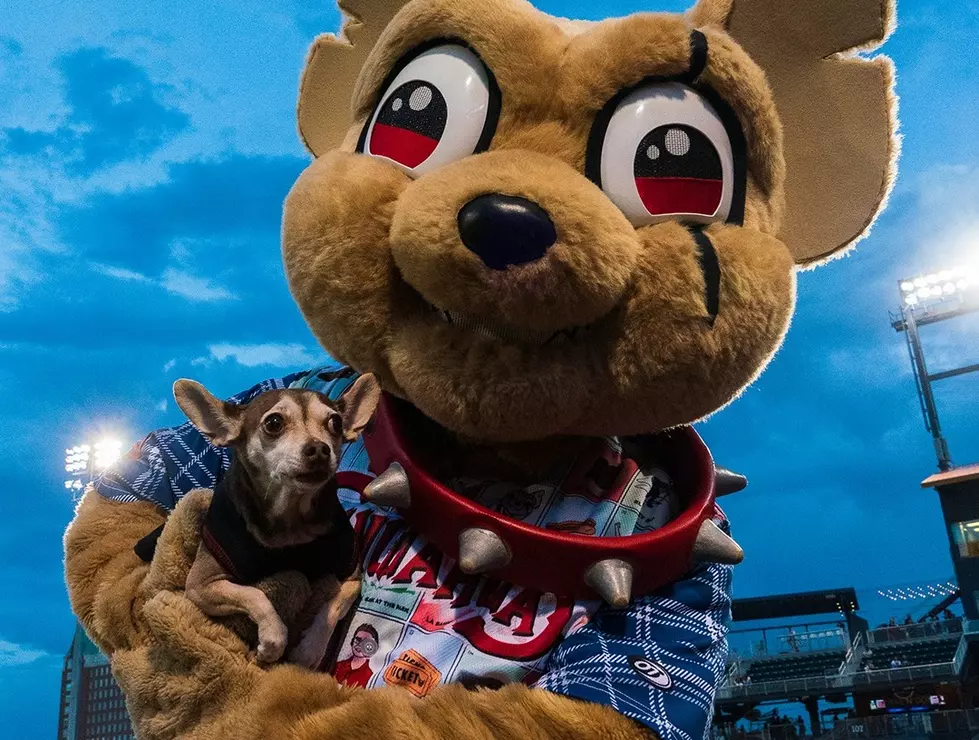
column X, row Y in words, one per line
column 92, row 705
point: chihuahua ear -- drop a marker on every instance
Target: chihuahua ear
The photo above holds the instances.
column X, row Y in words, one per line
column 358, row 405
column 837, row 108
column 217, row 420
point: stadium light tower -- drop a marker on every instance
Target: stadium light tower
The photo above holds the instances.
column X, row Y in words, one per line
column 929, row 299
column 84, row 461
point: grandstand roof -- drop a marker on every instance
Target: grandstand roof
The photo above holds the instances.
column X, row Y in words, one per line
column 955, row 475
column 795, row 605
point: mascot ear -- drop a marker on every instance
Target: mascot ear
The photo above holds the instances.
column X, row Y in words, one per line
column 332, row 68
column 838, row 109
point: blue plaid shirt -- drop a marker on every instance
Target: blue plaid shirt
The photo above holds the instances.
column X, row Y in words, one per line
column 658, row 661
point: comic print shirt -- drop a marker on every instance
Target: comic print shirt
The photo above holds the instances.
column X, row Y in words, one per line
column 421, row 622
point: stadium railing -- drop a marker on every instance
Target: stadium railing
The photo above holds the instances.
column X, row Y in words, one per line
column 970, row 625
column 960, row 652
column 917, row 631
column 788, row 640
column 955, row 723
column 786, row 687
column 906, row 673
column 805, row 686
column 853, row 657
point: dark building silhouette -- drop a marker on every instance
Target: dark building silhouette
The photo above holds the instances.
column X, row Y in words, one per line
column 92, row 705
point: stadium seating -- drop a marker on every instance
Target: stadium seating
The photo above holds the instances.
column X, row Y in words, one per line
column 796, row 665
column 912, row 653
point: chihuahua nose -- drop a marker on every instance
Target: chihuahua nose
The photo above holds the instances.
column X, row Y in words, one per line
column 316, row 452
column 504, row 230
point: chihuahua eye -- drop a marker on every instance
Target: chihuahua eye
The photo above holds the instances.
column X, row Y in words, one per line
column 441, row 106
column 665, row 153
column 334, row 424
column 274, row 424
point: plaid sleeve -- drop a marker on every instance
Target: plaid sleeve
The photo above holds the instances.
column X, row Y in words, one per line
column 167, row 464
column 659, row 661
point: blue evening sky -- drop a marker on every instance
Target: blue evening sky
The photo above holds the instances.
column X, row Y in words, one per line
column 145, row 149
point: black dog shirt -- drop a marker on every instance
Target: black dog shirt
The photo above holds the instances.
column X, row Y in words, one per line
column 247, row 560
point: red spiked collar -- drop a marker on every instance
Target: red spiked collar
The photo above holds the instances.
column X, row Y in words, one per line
column 485, row 541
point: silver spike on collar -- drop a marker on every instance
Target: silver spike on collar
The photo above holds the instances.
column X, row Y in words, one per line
column 390, row 488
column 727, row 481
column 713, row 546
column 481, row 550
column 612, row 580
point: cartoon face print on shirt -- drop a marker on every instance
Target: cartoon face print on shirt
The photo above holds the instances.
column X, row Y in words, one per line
column 511, row 499
column 520, row 502
column 660, row 503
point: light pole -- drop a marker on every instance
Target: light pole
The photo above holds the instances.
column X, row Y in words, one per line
column 929, row 299
column 84, row 461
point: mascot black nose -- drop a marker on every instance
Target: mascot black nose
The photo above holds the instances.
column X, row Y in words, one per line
column 504, row 230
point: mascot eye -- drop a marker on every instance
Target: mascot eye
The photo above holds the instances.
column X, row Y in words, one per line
column 441, row 106
column 663, row 152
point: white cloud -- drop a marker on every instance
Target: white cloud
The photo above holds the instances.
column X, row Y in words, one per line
column 177, row 282
column 12, row 654
column 194, row 288
column 255, row 355
column 25, row 232
column 162, row 406
column 121, row 273
column 170, row 365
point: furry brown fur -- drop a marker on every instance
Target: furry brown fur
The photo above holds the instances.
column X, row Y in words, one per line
column 648, row 359
column 372, row 256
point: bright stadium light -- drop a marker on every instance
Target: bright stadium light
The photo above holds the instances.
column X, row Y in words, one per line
column 77, row 461
column 927, row 299
column 107, row 451
column 940, row 285
column 84, row 461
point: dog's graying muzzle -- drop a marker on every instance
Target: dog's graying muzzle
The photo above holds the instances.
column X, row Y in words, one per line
column 504, row 230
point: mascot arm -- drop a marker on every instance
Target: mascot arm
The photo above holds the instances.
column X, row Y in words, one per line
column 660, row 660
column 185, row 675
column 105, row 577
column 182, row 670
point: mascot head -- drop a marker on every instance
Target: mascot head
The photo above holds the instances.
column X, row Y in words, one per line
column 529, row 226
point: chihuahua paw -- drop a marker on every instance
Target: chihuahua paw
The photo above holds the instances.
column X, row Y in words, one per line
column 309, row 653
column 271, row 644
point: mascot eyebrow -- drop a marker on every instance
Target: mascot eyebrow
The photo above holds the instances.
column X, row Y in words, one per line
column 698, row 57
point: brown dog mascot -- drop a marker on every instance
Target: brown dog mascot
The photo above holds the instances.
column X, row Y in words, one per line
column 556, row 244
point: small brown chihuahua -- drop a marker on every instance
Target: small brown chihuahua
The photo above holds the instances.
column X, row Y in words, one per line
column 276, row 509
